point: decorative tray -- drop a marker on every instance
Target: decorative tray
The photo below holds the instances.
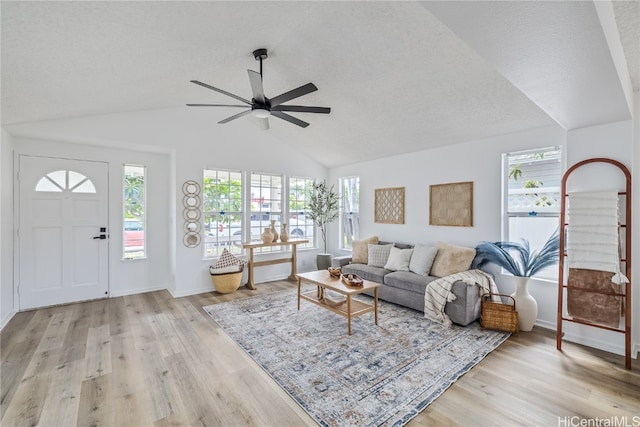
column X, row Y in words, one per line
column 352, row 280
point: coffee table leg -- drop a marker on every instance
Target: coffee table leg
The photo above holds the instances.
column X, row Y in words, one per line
column 375, row 304
column 348, row 314
column 299, row 286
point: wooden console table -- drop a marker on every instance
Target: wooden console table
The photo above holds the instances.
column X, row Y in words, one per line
column 292, row 259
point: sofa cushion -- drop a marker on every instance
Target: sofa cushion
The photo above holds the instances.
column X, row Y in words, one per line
column 375, row 274
column 360, row 249
column 378, row 255
column 398, row 259
column 422, row 259
column 451, row 259
column 408, row 281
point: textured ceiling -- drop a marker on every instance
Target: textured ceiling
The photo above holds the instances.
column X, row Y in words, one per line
column 396, row 77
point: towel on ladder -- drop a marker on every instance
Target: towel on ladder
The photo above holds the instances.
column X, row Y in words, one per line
column 593, row 239
column 438, row 292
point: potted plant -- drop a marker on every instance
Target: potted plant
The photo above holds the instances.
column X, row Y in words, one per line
column 518, row 259
column 323, row 209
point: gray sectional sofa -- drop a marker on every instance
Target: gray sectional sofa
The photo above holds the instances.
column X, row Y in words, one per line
column 407, row 288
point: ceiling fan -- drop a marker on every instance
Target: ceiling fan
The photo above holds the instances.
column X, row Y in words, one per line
column 262, row 107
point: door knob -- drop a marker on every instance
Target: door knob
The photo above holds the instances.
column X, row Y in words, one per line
column 101, row 237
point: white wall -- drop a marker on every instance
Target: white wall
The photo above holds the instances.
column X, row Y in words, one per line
column 614, row 141
column 6, row 228
column 190, row 140
column 480, row 161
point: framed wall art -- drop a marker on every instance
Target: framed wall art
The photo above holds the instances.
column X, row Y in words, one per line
column 451, row 204
column 389, row 205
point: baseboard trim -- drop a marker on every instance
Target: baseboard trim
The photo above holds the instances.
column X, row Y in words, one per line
column 210, row 288
column 135, row 291
column 7, row 319
column 590, row 342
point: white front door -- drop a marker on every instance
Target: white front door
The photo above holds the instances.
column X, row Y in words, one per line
column 63, row 212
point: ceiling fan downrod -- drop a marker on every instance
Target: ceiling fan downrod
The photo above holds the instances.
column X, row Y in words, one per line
column 259, row 55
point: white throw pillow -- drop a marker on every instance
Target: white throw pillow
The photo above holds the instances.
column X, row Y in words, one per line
column 398, row 259
column 378, row 255
column 422, row 259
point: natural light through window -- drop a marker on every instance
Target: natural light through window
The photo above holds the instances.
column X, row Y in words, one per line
column 134, row 217
column 265, row 206
column 349, row 210
column 299, row 225
column 222, row 211
column 59, row 181
column 532, row 197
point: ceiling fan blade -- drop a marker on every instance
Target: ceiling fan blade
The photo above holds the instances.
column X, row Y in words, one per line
column 264, row 123
column 215, row 105
column 235, row 116
column 302, row 109
column 290, row 119
column 224, row 92
column 292, row 94
column 256, row 86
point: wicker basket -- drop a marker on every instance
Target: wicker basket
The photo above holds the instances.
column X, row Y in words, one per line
column 226, row 282
column 497, row 315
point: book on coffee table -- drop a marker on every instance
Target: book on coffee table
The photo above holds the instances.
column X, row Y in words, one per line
column 332, row 298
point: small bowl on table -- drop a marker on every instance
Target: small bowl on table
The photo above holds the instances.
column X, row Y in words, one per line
column 335, row 271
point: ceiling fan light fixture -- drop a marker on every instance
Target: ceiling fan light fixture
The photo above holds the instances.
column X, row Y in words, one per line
column 260, row 113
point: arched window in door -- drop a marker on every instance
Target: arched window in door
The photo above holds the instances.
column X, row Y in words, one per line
column 65, row 180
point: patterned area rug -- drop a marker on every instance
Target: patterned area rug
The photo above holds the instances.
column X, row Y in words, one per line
column 379, row 376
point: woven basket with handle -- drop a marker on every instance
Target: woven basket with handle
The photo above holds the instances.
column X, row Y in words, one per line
column 497, row 315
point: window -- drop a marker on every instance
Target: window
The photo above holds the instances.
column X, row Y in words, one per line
column 299, row 225
column 59, row 181
column 266, row 205
column 134, row 212
column 349, row 210
column 222, row 211
column 532, row 181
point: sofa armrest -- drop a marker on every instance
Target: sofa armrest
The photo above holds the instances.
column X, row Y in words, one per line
column 340, row 261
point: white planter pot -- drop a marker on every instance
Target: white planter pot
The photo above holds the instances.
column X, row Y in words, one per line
column 526, row 305
column 323, row 261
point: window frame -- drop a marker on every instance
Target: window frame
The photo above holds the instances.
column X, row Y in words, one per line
column 533, row 206
column 306, row 191
column 125, row 219
column 345, row 240
column 272, row 214
column 225, row 224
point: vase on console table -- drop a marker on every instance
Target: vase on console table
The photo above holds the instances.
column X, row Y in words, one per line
column 284, row 234
column 274, row 232
column 526, row 305
column 267, row 235
column 323, row 261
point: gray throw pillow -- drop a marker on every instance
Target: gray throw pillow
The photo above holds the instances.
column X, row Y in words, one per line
column 378, row 255
column 422, row 259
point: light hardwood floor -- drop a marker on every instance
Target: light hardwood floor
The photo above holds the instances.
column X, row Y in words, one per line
column 152, row 360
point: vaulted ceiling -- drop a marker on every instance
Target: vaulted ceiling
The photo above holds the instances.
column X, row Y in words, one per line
column 399, row 76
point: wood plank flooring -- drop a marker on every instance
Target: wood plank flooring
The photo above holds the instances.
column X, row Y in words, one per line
column 154, row 360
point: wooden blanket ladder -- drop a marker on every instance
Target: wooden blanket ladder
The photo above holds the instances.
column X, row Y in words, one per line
column 625, row 260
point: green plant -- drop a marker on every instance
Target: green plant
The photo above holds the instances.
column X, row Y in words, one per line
column 524, row 262
column 323, row 207
column 515, row 172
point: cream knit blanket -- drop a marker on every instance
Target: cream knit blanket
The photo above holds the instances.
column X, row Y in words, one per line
column 438, row 292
